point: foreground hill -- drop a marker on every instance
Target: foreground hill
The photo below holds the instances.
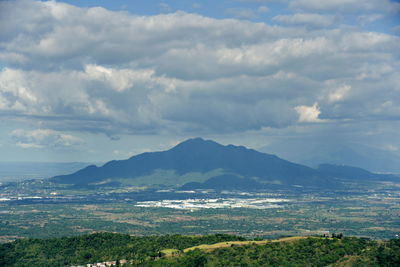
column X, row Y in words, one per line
column 236, row 166
column 211, row 250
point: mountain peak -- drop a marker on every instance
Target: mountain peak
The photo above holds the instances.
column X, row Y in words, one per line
column 197, row 155
column 195, row 143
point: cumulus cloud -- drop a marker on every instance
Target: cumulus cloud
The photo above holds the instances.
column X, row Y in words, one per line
column 313, row 20
column 309, row 113
column 68, row 70
column 339, row 93
column 44, row 138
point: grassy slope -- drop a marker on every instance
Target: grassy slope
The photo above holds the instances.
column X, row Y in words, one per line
column 211, row 247
column 295, row 251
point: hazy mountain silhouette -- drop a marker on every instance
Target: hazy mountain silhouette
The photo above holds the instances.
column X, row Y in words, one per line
column 353, row 173
column 313, row 153
column 244, row 168
column 198, row 155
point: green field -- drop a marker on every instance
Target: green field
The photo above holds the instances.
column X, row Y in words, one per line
column 372, row 212
column 376, row 218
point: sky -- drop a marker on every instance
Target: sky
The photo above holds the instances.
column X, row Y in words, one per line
column 97, row 80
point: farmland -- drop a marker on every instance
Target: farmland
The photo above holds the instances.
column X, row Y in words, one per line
column 370, row 213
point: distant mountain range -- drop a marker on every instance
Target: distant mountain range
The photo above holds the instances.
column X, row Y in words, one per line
column 314, row 152
column 235, row 167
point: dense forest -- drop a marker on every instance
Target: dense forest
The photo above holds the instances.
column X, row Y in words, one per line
column 97, row 247
column 149, row 251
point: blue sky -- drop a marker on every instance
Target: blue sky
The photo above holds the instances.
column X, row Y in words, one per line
column 101, row 80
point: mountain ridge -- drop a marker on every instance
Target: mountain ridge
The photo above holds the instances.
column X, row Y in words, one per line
column 313, row 153
column 199, row 155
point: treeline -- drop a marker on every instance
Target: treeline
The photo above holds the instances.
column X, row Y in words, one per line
column 147, row 251
column 98, row 247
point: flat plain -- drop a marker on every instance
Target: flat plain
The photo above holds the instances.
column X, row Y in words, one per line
column 53, row 212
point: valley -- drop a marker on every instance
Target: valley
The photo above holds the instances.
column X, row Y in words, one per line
column 200, row 187
column 372, row 212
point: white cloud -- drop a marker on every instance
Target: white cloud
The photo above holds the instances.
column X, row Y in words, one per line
column 68, row 70
column 313, row 20
column 309, row 113
column 118, row 79
column 28, row 145
column 391, row 147
column 44, row 138
column 124, row 154
column 365, row 19
column 339, row 93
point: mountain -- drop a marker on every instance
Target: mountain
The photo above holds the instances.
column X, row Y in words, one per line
column 227, row 182
column 314, row 152
column 202, row 156
column 354, row 173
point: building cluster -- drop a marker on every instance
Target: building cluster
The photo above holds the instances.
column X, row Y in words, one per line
column 219, row 203
column 104, row 264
